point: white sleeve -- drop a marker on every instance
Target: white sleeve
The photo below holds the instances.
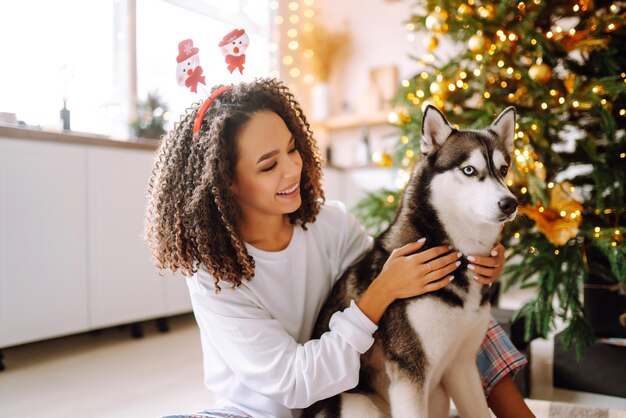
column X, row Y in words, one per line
column 354, row 244
column 269, row 361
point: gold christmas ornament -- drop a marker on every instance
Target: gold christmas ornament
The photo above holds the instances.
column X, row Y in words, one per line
column 478, row 43
column 431, row 43
column 438, row 89
column 486, row 12
column 382, row 159
column 540, row 72
column 436, row 21
column 465, row 10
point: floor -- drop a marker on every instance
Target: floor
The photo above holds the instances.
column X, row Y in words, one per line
column 109, row 374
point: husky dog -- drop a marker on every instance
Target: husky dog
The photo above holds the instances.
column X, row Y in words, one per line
column 425, row 347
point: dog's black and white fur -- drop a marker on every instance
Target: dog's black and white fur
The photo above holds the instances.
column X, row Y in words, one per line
column 425, row 347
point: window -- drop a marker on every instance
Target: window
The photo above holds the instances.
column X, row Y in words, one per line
column 78, row 50
column 56, row 49
column 161, row 25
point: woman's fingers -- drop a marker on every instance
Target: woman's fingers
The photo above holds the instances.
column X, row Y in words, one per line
column 407, row 249
column 443, row 261
column 438, row 284
column 435, row 275
column 427, row 255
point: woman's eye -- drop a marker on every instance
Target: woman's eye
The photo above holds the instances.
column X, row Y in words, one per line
column 504, row 170
column 294, row 149
column 269, row 168
column 469, row 170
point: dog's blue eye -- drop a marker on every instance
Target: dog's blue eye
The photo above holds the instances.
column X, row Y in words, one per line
column 469, row 170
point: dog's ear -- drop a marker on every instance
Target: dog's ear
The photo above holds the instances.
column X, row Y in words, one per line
column 504, row 127
column 435, row 129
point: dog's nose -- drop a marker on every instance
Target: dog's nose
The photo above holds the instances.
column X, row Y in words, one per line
column 507, row 205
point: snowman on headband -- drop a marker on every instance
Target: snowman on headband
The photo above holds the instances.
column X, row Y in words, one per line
column 188, row 69
column 233, row 47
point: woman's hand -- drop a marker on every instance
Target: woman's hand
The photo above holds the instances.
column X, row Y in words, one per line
column 487, row 269
column 409, row 273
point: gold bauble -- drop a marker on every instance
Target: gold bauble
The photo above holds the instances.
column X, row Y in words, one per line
column 431, row 43
column 465, row 10
column 436, row 21
column 486, row 12
column 541, row 73
column 478, row 43
column 438, row 89
column 382, row 159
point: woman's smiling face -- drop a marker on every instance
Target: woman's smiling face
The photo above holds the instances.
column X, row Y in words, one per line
column 268, row 169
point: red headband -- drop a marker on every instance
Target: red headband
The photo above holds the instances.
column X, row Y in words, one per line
column 198, row 122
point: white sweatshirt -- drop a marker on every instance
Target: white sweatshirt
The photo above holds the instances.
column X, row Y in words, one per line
column 255, row 339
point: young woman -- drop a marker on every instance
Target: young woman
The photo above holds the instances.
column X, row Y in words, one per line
column 235, row 202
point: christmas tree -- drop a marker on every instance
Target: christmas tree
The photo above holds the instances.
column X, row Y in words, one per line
column 562, row 64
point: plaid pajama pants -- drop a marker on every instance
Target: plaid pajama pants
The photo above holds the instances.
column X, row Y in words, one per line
column 497, row 358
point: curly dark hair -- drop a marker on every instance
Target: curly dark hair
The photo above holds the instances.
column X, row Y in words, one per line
column 191, row 219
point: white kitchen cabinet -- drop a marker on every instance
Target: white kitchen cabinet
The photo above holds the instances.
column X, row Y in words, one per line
column 43, row 251
column 72, row 253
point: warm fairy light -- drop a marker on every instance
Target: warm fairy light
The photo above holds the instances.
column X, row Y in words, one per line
column 292, row 33
column 617, row 232
column 404, row 139
column 509, row 183
column 459, row 83
column 451, row 87
column 293, row 45
column 293, row 6
column 576, row 7
column 595, row 89
column 622, row 155
column 424, row 75
column 549, row 35
column 512, row 37
column 544, row 105
column 509, row 70
column 439, row 78
column 521, row 135
column 597, row 229
column 563, row 213
column 405, row 83
column 556, row 252
column 287, row 60
column 561, row 100
column 572, row 215
column 611, row 26
column 572, row 31
column 622, row 112
column 393, row 117
column 500, row 63
column 410, row 96
column 503, row 84
column 603, row 102
column 524, row 190
column 502, row 37
column 613, row 8
column 614, row 244
column 552, row 92
column 532, row 250
column 294, row 72
column 559, row 29
column 479, row 57
column 511, row 96
column 516, row 235
column 541, row 209
column 391, row 198
column 420, row 93
column 550, row 185
column 534, row 127
column 309, row 13
column 410, row 153
column 273, row 4
column 487, row 95
column 476, row 72
column 533, row 41
column 463, row 75
column 575, row 103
